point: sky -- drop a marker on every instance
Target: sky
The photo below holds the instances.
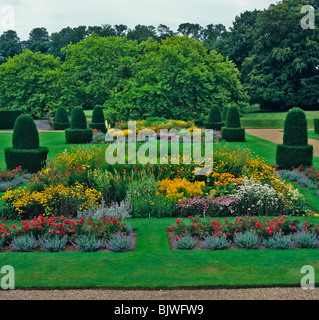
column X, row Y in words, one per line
column 54, row 15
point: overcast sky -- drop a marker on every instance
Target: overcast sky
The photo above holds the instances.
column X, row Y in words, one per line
column 57, row 14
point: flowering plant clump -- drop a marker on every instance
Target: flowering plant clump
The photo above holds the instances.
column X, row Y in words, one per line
column 247, row 240
column 26, row 243
column 279, row 242
column 121, row 242
column 214, row 242
column 186, row 242
column 230, row 229
column 54, row 232
column 179, row 188
column 53, row 200
column 87, row 243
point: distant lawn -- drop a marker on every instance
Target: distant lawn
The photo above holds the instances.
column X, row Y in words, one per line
column 272, row 120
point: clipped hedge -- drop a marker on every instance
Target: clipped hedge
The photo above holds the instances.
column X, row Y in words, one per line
column 32, row 160
column 316, row 125
column 233, row 117
column 233, row 134
column 8, row 118
column 224, row 113
column 293, row 156
column 78, row 135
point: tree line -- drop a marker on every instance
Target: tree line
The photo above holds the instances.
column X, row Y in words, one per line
column 278, row 61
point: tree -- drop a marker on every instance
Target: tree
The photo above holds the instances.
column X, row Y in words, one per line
column 98, row 66
column 31, row 82
column 193, row 30
column 164, row 32
column 38, row 40
column 10, row 45
column 63, row 38
column 141, row 33
column 105, row 30
column 176, row 79
column 282, row 70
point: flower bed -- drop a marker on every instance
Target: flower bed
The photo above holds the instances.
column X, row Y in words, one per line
column 80, row 183
column 54, row 234
column 12, row 179
column 242, row 233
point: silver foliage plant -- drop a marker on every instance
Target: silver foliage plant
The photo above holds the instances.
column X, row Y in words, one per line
column 116, row 210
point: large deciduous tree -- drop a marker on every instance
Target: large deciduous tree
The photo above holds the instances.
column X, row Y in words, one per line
column 282, row 70
column 177, row 79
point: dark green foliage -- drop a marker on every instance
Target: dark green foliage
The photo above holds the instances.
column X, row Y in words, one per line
column 32, row 160
column 295, row 128
column 316, row 125
column 295, row 150
column 224, row 113
column 78, row 135
column 25, row 134
column 233, row 134
column 215, row 118
column 233, row 117
column 78, row 119
column 98, row 120
column 61, row 121
column 293, row 156
column 8, row 118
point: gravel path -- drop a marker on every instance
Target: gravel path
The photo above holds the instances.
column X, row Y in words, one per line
column 276, row 136
column 217, row 294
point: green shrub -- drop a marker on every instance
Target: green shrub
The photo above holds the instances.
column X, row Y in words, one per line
column 214, row 119
column 224, row 113
column 8, row 118
column 293, row 156
column 98, row 120
column 78, row 135
column 316, row 125
column 61, row 121
column 25, row 134
column 233, row 134
column 295, row 128
column 78, row 119
column 32, row 160
column 295, row 150
column 233, row 117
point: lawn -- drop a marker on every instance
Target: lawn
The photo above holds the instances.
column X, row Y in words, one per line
column 272, row 120
column 153, row 265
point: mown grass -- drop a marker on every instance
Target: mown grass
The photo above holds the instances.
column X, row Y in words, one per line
column 272, row 120
column 153, row 265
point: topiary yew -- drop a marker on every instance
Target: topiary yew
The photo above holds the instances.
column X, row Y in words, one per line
column 214, row 119
column 295, row 150
column 78, row 119
column 98, row 120
column 25, row 133
column 25, row 151
column 61, row 121
column 78, row 131
column 233, row 132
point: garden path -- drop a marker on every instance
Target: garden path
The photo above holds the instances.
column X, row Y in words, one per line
column 276, row 136
column 291, row 293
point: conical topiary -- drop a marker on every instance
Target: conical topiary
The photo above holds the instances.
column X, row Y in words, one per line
column 25, row 133
column 61, row 121
column 295, row 150
column 214, row 119
column 233, row 117
column 233, row 132
column 78, row 119
column 98, row 120
column 26, row 151
column 78, row 131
